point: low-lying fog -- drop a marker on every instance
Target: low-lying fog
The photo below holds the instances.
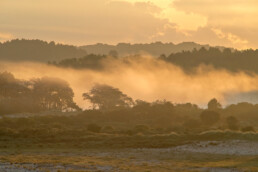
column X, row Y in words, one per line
column 148, row 79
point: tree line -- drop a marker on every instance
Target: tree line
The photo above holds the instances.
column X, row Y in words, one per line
column 111, row 104
column 35, row 95
column 228, row 59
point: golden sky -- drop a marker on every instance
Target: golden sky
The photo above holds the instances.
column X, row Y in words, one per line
column 231, row 23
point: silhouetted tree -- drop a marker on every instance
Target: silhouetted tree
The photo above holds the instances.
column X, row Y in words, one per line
column 214, row 105
column 53, row 93
column 106, row 97
column 17, row 96
column 9, row 86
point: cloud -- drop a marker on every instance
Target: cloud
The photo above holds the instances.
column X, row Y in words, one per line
column 184, row 21
column 229, row 36
column 219, row 8
column 230, row 23
column 84, row 21
column 234, row 20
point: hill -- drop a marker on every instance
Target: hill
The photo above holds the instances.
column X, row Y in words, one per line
column 37, row 50
column 42, row 51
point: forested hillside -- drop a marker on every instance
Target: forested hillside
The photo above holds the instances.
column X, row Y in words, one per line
column 37, row 50
column 226, row 59
column 235, row 61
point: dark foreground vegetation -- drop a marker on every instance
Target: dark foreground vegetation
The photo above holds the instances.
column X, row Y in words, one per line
column 120, row 140
column 60, row 132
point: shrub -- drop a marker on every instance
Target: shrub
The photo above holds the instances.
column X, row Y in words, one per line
column 191, row 124
column 248, row 129
column 209, row 118
column 94, row 128
column 108, row 129
column 141, row 128
column 232, row 123
column 128, row 132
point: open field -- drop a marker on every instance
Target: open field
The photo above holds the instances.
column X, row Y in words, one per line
column 69, row 143
column 203, row 156
column 159, row 159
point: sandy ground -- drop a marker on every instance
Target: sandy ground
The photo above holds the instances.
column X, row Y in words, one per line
column 8, row 167
column 235, row 147
column 27, row 115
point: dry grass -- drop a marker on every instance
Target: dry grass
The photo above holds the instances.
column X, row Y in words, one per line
column 131, row 160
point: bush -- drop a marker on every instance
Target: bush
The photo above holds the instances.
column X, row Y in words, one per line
column 108, row 129
column 141, row 128
column 248, row 129
column 191, row 124
column 94, row 128
column 232, row 123
column 209, row 118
